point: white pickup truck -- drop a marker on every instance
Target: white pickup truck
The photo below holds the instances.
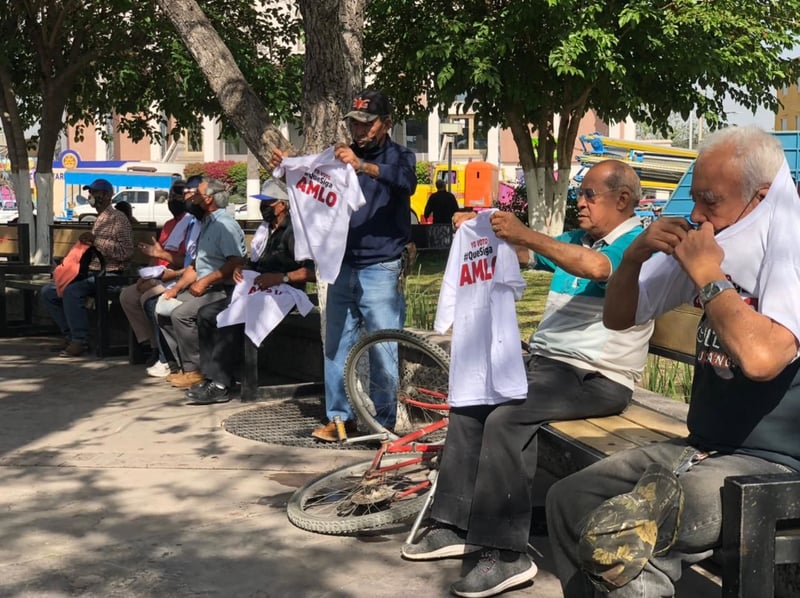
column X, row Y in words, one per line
column 149, row 205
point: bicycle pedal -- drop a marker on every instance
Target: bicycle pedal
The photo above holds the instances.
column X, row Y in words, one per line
column 340, row 430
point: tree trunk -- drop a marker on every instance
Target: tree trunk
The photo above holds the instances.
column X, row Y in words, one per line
column 534, row 175
column 333, row 68
column 238, row 101
column 333, row 75
column 52, row 122
column 17, row 152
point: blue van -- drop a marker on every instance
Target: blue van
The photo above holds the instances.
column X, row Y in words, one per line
column 680, row 202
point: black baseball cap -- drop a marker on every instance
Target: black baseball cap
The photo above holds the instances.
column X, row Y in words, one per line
column 192, row 183
column 369, row 105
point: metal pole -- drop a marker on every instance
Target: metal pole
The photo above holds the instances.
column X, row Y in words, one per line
column 449, row 163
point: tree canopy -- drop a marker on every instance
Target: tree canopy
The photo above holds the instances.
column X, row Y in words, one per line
column 522, row 62
column 97, row 58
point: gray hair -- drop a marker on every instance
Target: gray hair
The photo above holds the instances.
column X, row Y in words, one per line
column 758, row 154
column 218, row 192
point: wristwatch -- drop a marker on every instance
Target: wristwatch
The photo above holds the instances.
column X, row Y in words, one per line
column 285, row 279
column 712, row 289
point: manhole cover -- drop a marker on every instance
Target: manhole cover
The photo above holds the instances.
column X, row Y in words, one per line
column 287, row 423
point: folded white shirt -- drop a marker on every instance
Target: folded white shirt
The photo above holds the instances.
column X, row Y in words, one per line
column 151, row 271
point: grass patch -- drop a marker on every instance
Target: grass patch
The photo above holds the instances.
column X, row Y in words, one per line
column 668, row 377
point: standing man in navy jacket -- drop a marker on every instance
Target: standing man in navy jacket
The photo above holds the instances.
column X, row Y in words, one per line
column 368, row 294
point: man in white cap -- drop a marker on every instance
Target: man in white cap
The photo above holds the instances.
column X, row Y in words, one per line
column 272, row 256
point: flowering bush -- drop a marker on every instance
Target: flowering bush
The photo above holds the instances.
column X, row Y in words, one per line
column 424, row 170
column 518, row 204
column 233, row 174
column 220, row 170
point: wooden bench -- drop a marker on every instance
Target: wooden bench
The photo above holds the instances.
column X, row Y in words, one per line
column 30, row 279
column 760, row 526
column 14, row 244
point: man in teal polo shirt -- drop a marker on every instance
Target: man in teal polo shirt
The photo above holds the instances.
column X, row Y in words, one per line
column 578, row 369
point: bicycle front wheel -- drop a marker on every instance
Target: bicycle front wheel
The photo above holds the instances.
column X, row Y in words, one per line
column 357, row 497
column 397, row 382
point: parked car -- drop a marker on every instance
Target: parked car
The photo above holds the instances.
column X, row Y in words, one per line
column 8, row 211
column 149, row 205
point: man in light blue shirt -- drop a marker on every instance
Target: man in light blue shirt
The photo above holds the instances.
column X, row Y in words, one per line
column 220, row 249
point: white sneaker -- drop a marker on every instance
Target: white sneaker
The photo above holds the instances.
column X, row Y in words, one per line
column 159, row 370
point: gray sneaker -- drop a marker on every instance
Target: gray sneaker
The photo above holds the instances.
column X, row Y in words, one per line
column 495, row 572
column 439, row 542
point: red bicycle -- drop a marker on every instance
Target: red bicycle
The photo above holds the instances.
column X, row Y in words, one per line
column 397, row 483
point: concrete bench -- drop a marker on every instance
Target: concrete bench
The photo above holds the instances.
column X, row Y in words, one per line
column 760, row 528
column 288, row 363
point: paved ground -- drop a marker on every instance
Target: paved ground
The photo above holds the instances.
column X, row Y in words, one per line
column 111, row 486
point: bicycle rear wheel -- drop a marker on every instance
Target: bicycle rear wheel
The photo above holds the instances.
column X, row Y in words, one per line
column 397, row 382
column 346, row 500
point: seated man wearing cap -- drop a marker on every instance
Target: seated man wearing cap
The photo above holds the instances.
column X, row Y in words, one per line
column 272, row 255
column 112, row 236
column 139, row 299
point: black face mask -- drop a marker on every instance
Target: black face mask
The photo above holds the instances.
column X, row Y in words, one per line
column 195, row 210
column 176, row 207
column 268, row 213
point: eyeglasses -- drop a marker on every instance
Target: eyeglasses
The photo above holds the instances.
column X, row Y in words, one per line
column 591, row 195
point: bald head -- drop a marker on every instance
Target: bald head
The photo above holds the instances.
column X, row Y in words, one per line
column 619, row 176
column 607, row 196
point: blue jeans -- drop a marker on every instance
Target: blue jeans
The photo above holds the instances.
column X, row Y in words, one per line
column 361, row 299
column 572, row 499
column 69, row 311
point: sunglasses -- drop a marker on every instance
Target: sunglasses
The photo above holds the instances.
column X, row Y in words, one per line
column 591, row 195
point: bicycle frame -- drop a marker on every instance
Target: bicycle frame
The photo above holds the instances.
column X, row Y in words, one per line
column 406, row 444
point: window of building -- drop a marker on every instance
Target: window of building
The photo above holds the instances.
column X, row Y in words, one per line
column 417, row 136
column 472, row 137
column 165, row 138
column 784, row 124
column 235, row 145
column 797, row 123
column 194, row 139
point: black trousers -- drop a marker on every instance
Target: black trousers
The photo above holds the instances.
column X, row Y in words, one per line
column 489, row 461
column 221, row 349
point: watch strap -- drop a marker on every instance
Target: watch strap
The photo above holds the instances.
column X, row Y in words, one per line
column 712, row 289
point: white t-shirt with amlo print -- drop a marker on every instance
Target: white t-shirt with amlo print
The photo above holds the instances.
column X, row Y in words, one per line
column 481, row 283
column 323, row 193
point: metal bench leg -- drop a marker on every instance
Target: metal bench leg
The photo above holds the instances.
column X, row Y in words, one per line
column 752, row 506
column 250, row 371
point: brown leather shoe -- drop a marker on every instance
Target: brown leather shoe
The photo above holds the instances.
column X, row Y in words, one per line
column 73, row 350
column 60, row 346
column 173, row 376
column 188, row 379
column 328, row 433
